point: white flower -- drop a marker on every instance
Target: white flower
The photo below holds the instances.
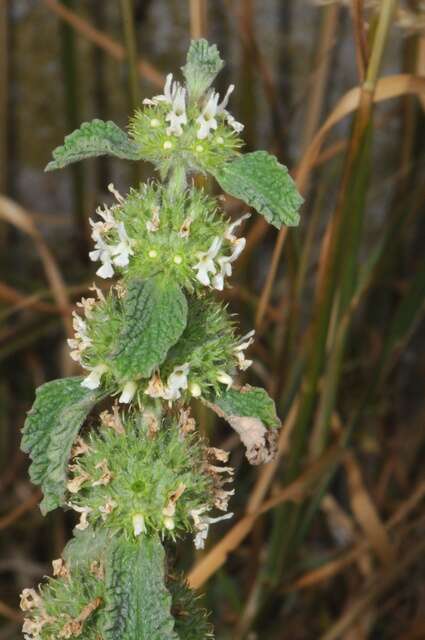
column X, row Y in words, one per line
column 243, row 362
column 138, row 524
column 81, row 341
column 206, row 262
column 202, row 525
column 225, row 264
column 122, row 250
column 170, row 90
column 87, row 305
column 224, row 378
column 102, row 252
column 207, row 120
column 245, row 342
column 228, row 234
column 177, row 380
column 109, row 255
column 108, row 216
column 236, row 126
column 221, row 109
column 92, row 381
column 128, row 392
column 195, row 390
column 169, row 523
column 223, row 104
column 238, row 247
column 118, row 197
column 177, row 116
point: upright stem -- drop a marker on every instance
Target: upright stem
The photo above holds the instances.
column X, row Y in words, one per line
column 133, row 74
column 73, row 118
column 131, row 50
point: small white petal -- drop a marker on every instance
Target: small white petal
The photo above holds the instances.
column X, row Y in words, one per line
column 169, row 523
column 106, row 270
column 128, row 392
column 236, row 126
column 139, row 526
column 195, row 390
column 92, row 381
column 218, row 281
column 223, row 104
column 229, row 231
column 207, row 119
column 224, row 378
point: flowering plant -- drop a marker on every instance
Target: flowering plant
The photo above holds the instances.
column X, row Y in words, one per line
column 143, row 476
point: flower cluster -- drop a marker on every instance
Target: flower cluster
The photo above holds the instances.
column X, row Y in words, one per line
column 174, row 127
column 151, row 232
column 114, row 483
column 72, row 604
column 67, row 606
column 204, row 360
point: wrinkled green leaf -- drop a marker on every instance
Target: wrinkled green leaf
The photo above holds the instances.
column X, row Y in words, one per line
column 59, row 410
column 155, row 316
column 95, row 138
column 252, row 414
column 263, row 183
column 203, row 63
column 137, row 603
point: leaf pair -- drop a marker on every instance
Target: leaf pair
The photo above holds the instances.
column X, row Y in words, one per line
column 256, row 178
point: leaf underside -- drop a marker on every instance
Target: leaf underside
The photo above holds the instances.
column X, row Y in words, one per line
column 59, row 410
column 263, row 183
column 252, row 402
column 138, row 605
column 252, row 414
column 95, row 138
column 155, row 316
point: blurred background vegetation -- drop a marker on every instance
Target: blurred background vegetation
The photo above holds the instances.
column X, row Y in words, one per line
column 328, row 541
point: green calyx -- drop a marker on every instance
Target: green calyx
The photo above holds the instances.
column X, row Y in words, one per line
column 143, row 474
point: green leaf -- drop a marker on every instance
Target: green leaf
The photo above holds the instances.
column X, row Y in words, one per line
column 252, row 413
column 263, row 183
column 95, row 138
column 59, row 410
column 203, row 63
column 137, row 603
column 155, row 316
